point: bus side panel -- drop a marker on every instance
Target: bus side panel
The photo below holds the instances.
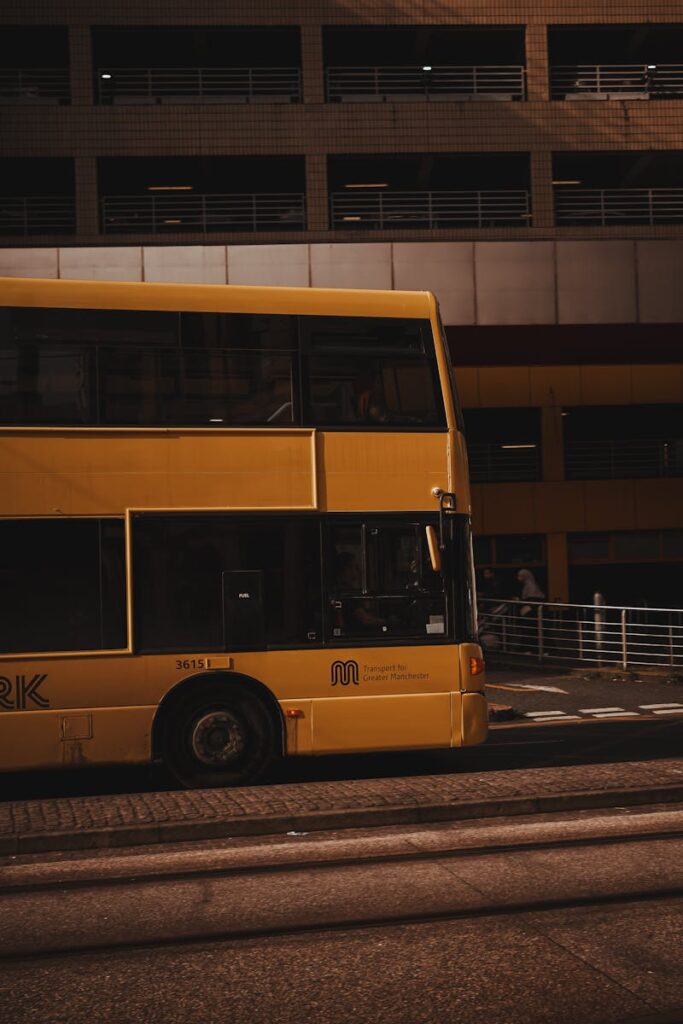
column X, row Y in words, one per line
column 105, row 472
column 368, row 470
column 52, row 739
column 475, row 719
column 407, row 721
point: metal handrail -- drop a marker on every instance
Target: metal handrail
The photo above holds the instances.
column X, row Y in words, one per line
column 617, row 81
column 34, row 85
column 259, row 211
column 433, row 82
column 202, row 85
column 582, row 634
column 615, row 459
column 605, row 206
column 378, row 209
column 494, row 463
column 37, row 215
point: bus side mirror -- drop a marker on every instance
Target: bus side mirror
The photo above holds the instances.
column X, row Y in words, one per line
column 433, row 547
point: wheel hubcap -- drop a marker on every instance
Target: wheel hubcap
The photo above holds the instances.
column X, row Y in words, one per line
column 218, row 738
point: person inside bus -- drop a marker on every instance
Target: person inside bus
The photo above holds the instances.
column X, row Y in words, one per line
column 351, row 614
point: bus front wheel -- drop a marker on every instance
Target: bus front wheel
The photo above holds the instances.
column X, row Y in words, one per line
column 217, row 735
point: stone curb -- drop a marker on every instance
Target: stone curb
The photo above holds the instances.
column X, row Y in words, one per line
column 312, row 821
column 501, row 712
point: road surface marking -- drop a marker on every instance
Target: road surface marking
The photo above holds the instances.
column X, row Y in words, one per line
column 669, row 711
column 617, row 714
column 653, row 707
column 545, row 689
column 539, row 714
column 595, row 711
column 523, row 687
column 561, row 716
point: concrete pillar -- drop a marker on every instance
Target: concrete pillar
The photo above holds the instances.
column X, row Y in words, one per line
column 80, row 65
column 542, row 205
column 87, row 218
column 312, row 63
column 537, row 78
column 316, row 192
column 558, row 569
column 552, row 442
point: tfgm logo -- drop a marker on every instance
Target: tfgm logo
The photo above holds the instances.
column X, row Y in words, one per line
column 344, row 673
column 14, row 693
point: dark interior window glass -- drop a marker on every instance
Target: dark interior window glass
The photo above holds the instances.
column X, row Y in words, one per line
column 381, row 584
column 519, row 549
column 672, row 543
column 588, row 546
column 189, row 558
column 371, row 371
column 202, row 386
column 49, row 384
column 127, row 367
column 589, row 424
column 267, row 331
column 356, row 390
column 120, row 367
column 63, row 582
column 640, row 545
column 483, row 550
column 366, row 334
column 90, row 326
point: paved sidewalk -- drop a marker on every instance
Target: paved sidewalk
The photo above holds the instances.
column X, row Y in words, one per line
column 128, row 820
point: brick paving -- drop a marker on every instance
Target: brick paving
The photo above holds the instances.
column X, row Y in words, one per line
column 102, row 821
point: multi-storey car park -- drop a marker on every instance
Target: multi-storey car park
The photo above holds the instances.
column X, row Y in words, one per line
column 521, row 160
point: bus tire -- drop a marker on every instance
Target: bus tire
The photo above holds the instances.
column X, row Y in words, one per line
column 218, row 734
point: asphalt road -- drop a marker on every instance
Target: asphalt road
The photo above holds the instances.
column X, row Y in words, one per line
column 551, row 919
column 540, row 695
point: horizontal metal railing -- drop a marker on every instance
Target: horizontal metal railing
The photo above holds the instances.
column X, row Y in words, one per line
column 437, row 82
column 617, row 81
column 34, row 85
column 582, row 634
column 605, row 206
column 37, row 215
column 388, row 209
column 495, row 463
column 198, row 85
column 206, row 212
column 612, row 460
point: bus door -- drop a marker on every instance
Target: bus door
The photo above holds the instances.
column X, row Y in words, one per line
column 387, row 629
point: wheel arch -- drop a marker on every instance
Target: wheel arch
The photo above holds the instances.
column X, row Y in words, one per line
column 194, row 682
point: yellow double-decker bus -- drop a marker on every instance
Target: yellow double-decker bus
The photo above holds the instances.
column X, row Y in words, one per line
column 235, row 523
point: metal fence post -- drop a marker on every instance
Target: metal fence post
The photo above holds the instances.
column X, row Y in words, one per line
column 624, row 643
column 599, row 617
column 539, row 631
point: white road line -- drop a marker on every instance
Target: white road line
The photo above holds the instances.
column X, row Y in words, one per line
column 595, row 711
column 533, row 686
column 541, row 714
column 669, row 711
column 556, row 718
column 618, row 714
column 653, row 707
